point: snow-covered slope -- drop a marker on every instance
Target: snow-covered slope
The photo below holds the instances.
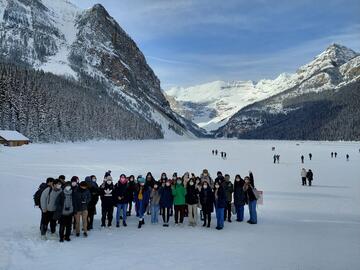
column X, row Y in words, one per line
column 211, row 105
column 87, row 45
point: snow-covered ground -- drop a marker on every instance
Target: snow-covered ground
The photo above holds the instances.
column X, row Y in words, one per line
column 299, row 227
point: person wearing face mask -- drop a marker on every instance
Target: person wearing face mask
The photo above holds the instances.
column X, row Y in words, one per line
column 81, row 198
column 251, row 200
column 220, row 204
column 48, row 206
column 155, row 203
column 192, row 200
column 142, row 196
column 94, row 191
column 239, row 198
column 107, row 201
column 131, row 189
column 179, row 193
column 121, row 196
column 166, row 202
column 229, row 189
column 64, row 211
column 207, row 203
column 205, row 177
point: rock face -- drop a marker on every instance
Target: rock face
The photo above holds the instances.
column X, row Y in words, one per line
column 320, row 94
column 91, row 49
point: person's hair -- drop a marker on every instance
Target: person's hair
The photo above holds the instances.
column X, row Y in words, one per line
column 50, row 180
column 62, row 177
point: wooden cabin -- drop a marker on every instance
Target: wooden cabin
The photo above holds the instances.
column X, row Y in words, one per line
column 12, row 138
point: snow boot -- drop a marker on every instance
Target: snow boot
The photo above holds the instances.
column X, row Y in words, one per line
column 140, row 223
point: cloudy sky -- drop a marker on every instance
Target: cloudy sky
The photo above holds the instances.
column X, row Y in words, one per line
column 190, row 42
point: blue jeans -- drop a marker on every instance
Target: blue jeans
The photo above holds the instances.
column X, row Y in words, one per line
column 252, row 211
column 123, row 207
column 141, row 208
column 155, row 213
column 220, row 217
column 240, row 212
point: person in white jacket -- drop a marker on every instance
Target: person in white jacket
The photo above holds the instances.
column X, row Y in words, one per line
column 303, row 176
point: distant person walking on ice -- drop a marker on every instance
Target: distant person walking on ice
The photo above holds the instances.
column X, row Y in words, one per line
column 347, row 157
column 310, row 176
column 213, row 152
column 335, row 154
column 310, row 156
column 302, row 159
column 332, row 154
column 274, row 159
column 216, row 152
column 303, row 176
column 278, row 158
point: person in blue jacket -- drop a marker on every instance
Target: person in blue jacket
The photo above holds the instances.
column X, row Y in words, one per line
column 166, row 202
column 220, row 204
column 142, row 197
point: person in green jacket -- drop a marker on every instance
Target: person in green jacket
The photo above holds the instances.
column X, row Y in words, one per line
column 179, row 192
column 229, row 189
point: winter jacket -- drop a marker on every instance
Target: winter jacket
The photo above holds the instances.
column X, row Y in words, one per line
column 106, row 194
column 220, row 179
column 131, row 190
column 48, row 199
column 179, row 193
column 229, row 189
column 220, row 198
column 64, row 204
column 207, row 200
column 82, row 198
column 192, row 195
column 166, row 198
column 122, row 190
column 310, row 175
column 249, row 192
column 94, row 191
column 303, row 173
column 145, row 195
column 155, row 197
column 239, row 193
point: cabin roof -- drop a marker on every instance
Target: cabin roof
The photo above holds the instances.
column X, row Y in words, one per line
column 12, row 135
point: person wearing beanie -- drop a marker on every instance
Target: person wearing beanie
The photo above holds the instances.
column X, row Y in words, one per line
column 121, row 197
column 48, row 206
column 166, row 202
column 155, row 203
column 229, row 189
column 107, row 201
column 179, row 193
column 142, row 196
column 64, row 211
column 82, row 198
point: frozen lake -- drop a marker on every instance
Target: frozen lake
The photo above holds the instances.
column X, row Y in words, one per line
column 298, row 227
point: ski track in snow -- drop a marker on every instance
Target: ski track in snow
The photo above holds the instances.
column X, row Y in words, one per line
column 299, row 227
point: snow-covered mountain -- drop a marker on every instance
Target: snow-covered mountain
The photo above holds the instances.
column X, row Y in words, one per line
column 89, row 47
column 211, row 105
column 321, row 102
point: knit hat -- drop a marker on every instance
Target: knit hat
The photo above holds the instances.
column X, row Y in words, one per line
column 205, row 171
column 109, row 178
column 140, row 179
column 83, row 184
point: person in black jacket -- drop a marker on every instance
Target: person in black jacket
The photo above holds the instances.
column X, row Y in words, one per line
column 166, row 202
column 251, row 199
column 122, row 195
column 150, row 181
column 192, row 200
column 220, row 204
column 310, row 176
column 107, row 201
column 82, row 198
column 239, row 198
column 94, row 191
column 207, row 203
column 219, row 178
column 64, row 211
column 131, row 189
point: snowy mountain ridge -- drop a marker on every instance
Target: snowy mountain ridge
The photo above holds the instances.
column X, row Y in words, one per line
column 55, row 36
column 212, row 104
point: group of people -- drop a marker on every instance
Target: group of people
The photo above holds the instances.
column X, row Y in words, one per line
column 306, row 175
column 71, row 203
column 334, row 155
column 222, row 153
column 302, row 157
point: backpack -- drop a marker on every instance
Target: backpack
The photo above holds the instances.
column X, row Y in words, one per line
column 37, row 194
